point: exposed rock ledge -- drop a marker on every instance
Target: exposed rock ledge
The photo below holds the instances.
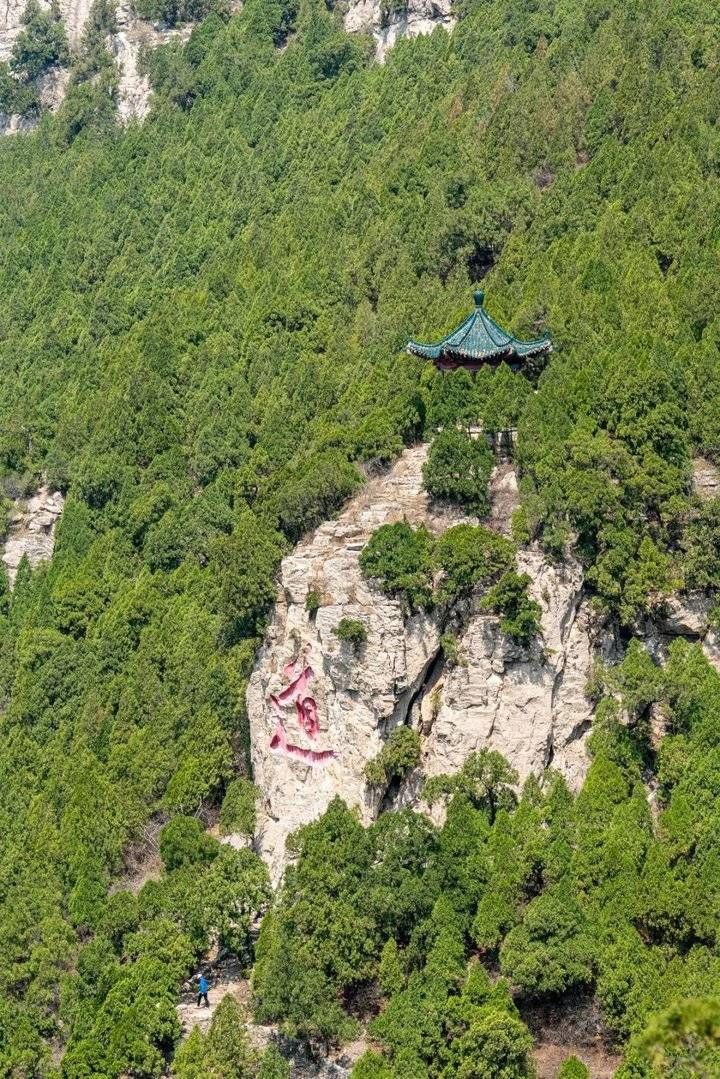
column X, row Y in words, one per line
column 132, row 36
column 528, row 704
column 389, row 22
column 32, row 530
column 706, row 478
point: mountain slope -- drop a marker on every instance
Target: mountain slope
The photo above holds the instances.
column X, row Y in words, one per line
column 199, row 329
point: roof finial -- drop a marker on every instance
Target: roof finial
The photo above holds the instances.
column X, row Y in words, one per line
column 479, row 297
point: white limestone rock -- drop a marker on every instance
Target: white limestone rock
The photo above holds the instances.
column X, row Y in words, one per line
column 360, row 697
column 388, row 26
column 74, row 14
column 132, row 37
column 11, row 12
column 685, row 616
column 32, row 530
column 504, row 496
column 528, row 703
column 706, row 478
column 53, row 84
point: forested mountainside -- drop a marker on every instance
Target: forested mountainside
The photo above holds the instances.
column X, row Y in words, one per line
column 200, row 324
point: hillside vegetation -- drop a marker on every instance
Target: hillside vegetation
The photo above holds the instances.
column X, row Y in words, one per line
column 200, row 321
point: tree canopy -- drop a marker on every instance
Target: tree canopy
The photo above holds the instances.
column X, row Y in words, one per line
column 201, row 324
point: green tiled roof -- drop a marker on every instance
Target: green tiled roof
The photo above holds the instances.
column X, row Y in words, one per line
column 480, row 338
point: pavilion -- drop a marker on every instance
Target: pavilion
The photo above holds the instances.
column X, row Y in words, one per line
column 479, row 341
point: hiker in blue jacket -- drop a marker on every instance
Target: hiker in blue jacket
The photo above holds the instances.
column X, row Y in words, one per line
column 203, row 991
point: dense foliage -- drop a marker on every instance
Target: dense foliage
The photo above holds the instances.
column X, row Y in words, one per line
column 561, row 894
column 200, row 321
column 466, row 561
column 400, row 753
column 458, row 469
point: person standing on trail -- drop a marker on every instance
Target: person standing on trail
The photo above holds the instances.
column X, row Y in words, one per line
column 203, row 987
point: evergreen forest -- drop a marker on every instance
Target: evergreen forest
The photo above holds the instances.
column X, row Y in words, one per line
column 202, row 319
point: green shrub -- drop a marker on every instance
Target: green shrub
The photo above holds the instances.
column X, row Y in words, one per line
column 520, row 526
column 351, row 631
column 551, row 950
column 42, row 43
column 458, row 469
column 573, row 1068
column 701, row 548
column 469, row 556
column 237, row 813
column 312, row 603
column 184, row 842
column 486, row 779
column 399, row 755
column 520, row 615
column 16, row 96
column 399, row 558
column 451, row 649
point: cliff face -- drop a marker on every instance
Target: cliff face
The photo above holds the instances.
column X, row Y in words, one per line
column 10, row 25
column 529, row 704
column 131, row 36
column 359, row 698
column 32, row 530
column 388, row 22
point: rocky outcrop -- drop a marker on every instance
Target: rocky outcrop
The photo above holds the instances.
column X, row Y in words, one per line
column 320, row 709
column 528, row 703
column 706, row 478
column 52, row 85
column 228, row 979
column 360, row 696
column 388, row 21
column 132, row 37
column 73, row 13
column 11, row 12
column 683, row 615
column 32, row 530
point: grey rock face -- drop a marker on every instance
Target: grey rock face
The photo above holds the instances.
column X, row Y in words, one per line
column 416, row 18
column 528, row 703
column 32, row 530
column 706, row 478
column 360, row 696
column 132, row 37
column 10, row 25
column 684, row 615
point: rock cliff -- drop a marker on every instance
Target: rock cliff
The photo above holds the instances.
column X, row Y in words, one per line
column 386, row 22
column 32, row 530
column 528, row 703
column 131, row 36
column 390, row 21
column 126, row 45
column 10, row 25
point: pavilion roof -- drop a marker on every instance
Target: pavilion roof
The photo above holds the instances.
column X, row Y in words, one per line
column 479, row 338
